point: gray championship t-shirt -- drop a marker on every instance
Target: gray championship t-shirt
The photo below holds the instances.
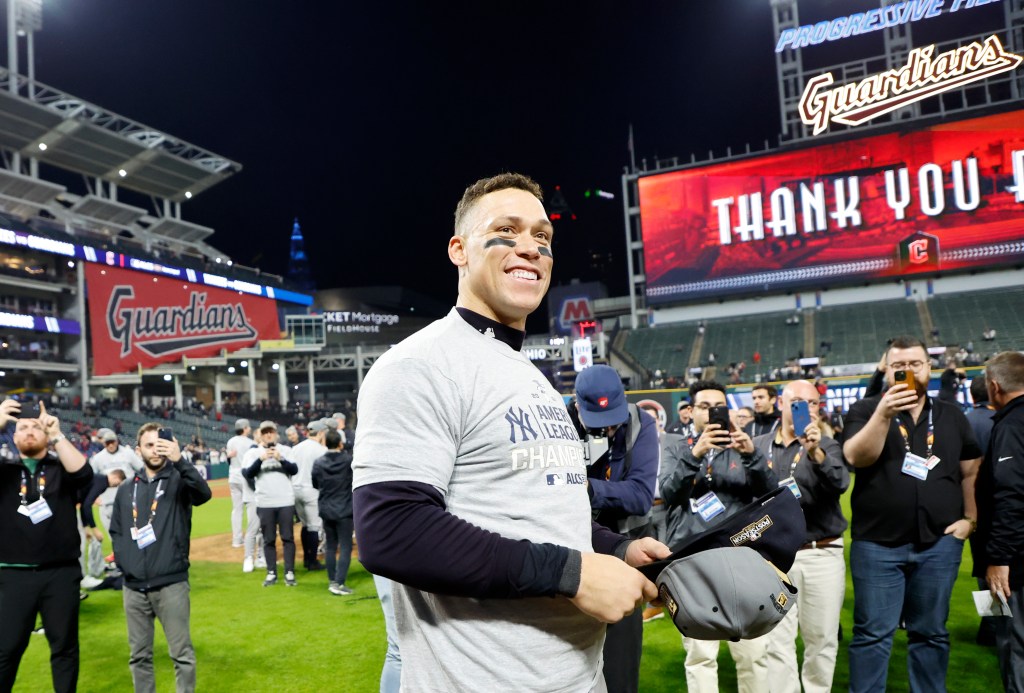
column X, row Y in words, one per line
column 273, row 489
column 463, row 412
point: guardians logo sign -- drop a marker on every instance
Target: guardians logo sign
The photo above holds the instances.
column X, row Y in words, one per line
column 138, row 320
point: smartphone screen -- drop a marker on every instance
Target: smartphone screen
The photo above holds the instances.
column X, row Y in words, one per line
column 166, row 433
column 801, row 416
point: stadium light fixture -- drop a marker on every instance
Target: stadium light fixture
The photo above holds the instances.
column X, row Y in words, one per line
column 276, row 367
column 188, row 195
column 42, row 146
column 231, row 369
column 121, row 172
column 244, row 364
column 71, row 264
column 167, row 377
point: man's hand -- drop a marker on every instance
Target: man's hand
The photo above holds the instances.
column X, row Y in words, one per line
column 741, row 442
column 961, row 529
column 50, row 423
column 168, row 449
column 998, row 579
column 96, row 533
column 811, row 439
column 9, row 410
column 647, row 550
column 713, row 437
column 898, row 398
column 609, row 589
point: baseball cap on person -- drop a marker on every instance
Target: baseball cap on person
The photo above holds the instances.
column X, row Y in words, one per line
column 108, row 435
column 729, row 593
column 330, row 423
column 683, row 403
column 316, row 426
column 268, row 426
column 600, row 397
column 241, row 425
column 338, row 415
column 773, row 525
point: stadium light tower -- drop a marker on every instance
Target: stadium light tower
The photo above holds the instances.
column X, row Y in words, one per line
column 24, row 18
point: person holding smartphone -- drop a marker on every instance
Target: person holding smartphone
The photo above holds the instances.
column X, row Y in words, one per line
column 913, row 507
column 714, row 479
column 150, row 531
column 812, row 467
column 41, row 474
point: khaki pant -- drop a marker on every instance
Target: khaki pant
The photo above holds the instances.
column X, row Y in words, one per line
column 751, row 657
column 820, row 577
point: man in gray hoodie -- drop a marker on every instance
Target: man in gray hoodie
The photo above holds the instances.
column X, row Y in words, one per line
column 332, row 475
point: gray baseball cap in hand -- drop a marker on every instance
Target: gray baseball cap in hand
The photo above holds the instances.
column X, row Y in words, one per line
column 725, row 594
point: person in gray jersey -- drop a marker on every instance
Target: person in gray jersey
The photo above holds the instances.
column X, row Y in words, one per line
column 112, row 456
column 304, row 455
column 470, row 488
column 243, row 498
column 269, row 467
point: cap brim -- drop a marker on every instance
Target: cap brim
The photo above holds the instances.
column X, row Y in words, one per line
column 605, row 417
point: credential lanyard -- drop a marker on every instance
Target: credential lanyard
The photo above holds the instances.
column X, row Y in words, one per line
column 152, row 508
column 930, row 438
column 24, row 484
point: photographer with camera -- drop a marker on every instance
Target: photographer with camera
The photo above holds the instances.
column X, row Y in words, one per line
column 39, row 545
column 150, row 531
column 721, row 474
column 622, row 450
column 269, row 470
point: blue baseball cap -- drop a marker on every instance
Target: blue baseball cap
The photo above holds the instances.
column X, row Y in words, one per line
column 600, row 397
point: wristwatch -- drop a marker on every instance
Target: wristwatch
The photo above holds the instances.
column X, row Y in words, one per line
column 57, row 438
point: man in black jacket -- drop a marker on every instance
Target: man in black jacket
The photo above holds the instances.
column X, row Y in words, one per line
column 39, row 544
column 1001, row 510
column 766, row 416
column 332, row 476
column 150, row 530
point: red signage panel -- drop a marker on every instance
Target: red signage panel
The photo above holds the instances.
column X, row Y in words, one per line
column 141, row 320
column 947, row 197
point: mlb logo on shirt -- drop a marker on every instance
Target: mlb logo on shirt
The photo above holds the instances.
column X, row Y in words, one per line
column 555, row 480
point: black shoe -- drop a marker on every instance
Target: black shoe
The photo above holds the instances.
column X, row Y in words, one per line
column 315, row 566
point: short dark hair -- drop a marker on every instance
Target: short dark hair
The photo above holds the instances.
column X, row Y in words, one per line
column 484, row 186
column 332, row 439
column 979, row 389
column 118, row 472
column 905, row 342
column 702, row 385
column 773, row 393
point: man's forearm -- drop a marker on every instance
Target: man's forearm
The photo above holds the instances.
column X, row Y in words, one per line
column 68, row 454
column 863, row 449
column 407, row 534
column 969, row 477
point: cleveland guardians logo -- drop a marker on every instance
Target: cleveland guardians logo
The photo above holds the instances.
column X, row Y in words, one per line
column 168, row 329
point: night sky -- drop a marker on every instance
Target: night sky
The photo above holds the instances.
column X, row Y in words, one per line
column 367, row 120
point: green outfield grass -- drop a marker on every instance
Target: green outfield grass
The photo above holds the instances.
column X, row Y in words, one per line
column 250, row 638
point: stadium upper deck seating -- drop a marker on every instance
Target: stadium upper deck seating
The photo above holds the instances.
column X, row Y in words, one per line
column 665, row 347
column 961, row 318
column 733, row 340
column 858, row 332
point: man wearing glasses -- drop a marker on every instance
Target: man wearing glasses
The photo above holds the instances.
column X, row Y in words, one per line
column 912, row 508
column 813, row 468
column 683, row 426
column 701, row 485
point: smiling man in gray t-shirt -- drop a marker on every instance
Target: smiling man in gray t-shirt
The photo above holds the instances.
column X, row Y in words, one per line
column 470, row 484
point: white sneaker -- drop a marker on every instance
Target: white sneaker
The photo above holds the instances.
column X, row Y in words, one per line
column 89, row 582
column 247, row 565
column 261, row 562
column 289, row 579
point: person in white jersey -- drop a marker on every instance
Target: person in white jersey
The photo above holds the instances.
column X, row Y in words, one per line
column 304, row 455
column 112, row 456
column 470, row 485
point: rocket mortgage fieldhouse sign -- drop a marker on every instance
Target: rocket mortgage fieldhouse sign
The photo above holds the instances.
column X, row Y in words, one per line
column 141, row 320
